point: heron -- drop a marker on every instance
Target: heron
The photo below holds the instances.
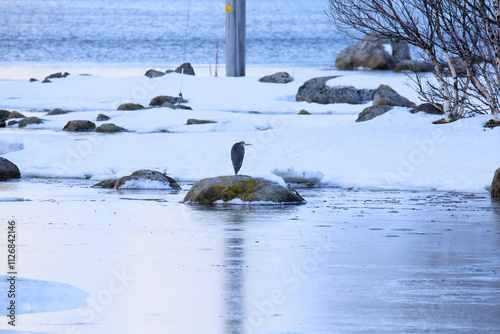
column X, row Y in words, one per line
column 237, row 154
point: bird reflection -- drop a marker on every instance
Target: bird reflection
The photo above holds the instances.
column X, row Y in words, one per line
column 234, row 274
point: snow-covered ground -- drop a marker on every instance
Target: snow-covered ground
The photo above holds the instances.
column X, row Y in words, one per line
column 397, row 150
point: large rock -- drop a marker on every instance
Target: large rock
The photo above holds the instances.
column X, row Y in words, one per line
column 29, row 120
column 130, row 106
column 372, row 112
column 110, row 128
column 386, row 96
column 8, row 170
column 158, row 101
column 185, row 68
column 370, row 53
column 79, row 125
column 245, row 188
column 140, row 175
column 279, row 77
column 495, row 185
column 316, row 90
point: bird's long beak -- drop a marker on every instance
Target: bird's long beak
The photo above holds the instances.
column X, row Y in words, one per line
column 246, row 144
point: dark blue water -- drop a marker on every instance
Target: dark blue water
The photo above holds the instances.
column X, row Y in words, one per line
column 150, row 31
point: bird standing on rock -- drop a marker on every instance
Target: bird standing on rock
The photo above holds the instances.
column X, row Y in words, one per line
column 237, row 154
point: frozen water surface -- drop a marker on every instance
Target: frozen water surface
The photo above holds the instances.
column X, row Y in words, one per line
column 348, row 261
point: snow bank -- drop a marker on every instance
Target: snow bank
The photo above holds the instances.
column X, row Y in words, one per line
column 397, row 150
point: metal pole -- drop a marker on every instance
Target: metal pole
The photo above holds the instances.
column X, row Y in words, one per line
column 235, row 37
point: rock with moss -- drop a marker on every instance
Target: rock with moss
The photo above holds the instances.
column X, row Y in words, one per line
column 29, row 120
column 245, row 188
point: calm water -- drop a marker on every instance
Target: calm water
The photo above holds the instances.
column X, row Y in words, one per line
column 150, row 31
column 345, row 262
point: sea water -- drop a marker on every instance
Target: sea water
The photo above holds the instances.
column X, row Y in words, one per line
column 295, row 33
column 348, row 261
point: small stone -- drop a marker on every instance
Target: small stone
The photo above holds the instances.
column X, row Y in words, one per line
column 386, row 96
column 492, row 123
column 192, row 121
column 102, row 117
column 29, row 120
column 495, row 185
column 110, row 128
column 154, row 73
column 372, row 112
column 428, row 108
column 130, row 106
column 278, row 77
column 57, row 111
column 304, row 112
column 4, row 114
column 16, row 114
column 79, row 125
column 158, row 101
column 33, row 79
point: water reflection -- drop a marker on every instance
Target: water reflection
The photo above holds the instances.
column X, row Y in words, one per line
column 233, row 221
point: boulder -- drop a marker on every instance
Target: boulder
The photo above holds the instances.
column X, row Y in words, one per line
column 29, row 120
column 372, row 112
column 316, row 90
column 3, row 124
column 369, row 53
column 386, row 96
column 192, row 121
column 279, row 77
column 158, row 101
column 143, row 174
column 428, row 108
column 4, row 114
column 79, row 125
column 413, row 66
column 110, row 128
column 304, row 112
column 12, row 123
column 8, row 170
column 102, row 117
column 57, row 111
column 16, row 114
column 185, row 68
column 130, row 106
column 495, row 185
column 154, row 73
column 245, row 188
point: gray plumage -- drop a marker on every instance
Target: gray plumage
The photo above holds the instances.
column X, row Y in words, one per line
column 237, row 154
